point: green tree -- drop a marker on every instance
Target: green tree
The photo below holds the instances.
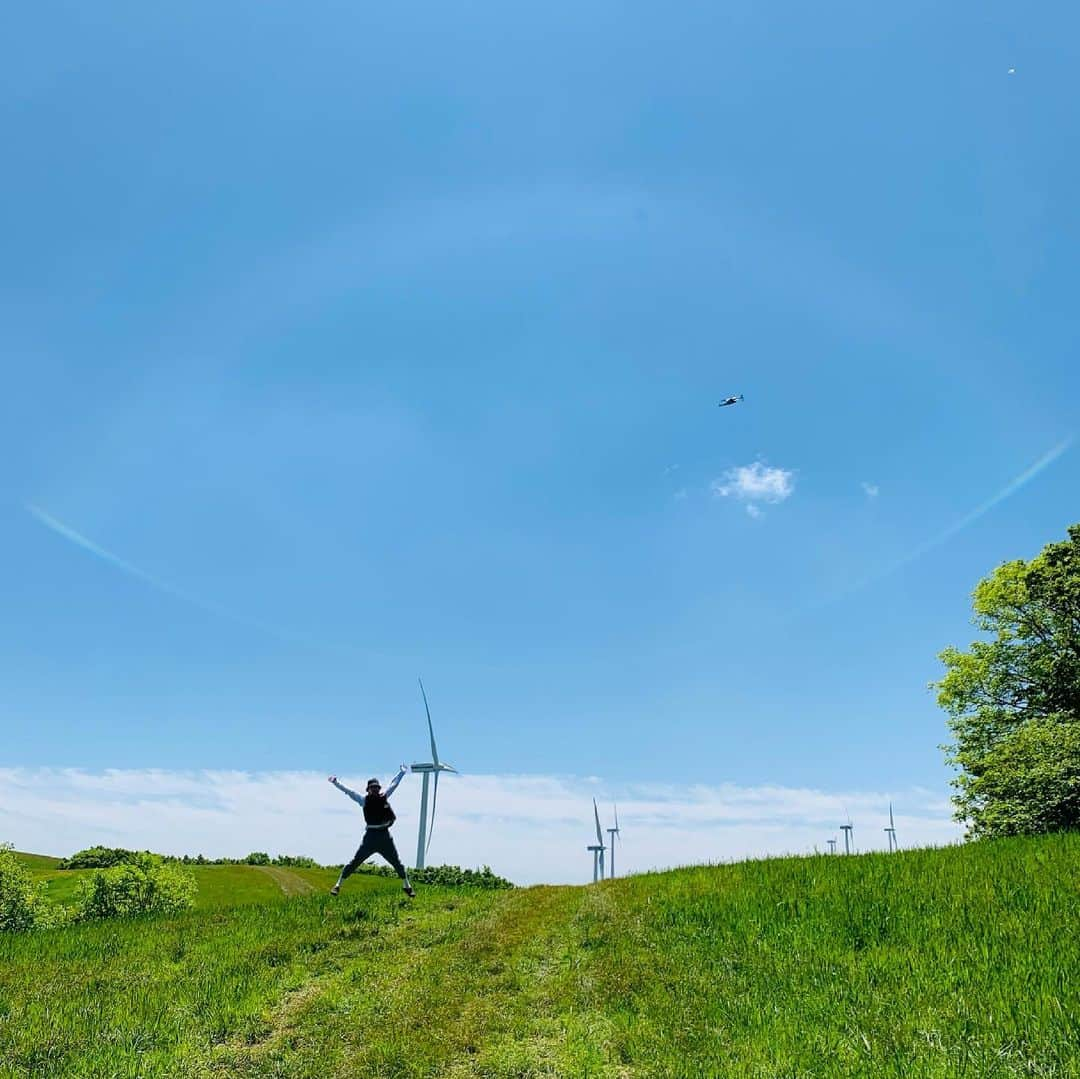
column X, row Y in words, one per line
column 99, row 858
column 1013, row 700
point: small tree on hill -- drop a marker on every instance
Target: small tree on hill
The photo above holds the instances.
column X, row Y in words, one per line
column 1014, row 700
column 99, row 858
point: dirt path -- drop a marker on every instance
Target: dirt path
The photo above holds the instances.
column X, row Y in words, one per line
column 289, row 882
column 468, row 986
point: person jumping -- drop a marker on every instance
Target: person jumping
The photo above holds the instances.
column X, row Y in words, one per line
column 377, row 838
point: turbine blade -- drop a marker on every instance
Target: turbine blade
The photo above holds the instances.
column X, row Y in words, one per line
column 616, row 818
column 891, row 825
column 431, row 730
column 434, row 802
column 599, row 834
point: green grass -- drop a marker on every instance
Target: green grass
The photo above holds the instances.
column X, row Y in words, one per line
column 956, row 962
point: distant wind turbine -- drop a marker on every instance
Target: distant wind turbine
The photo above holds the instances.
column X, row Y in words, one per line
column 848, row 838
column 597, row 849
column 832, row 846
column 432, row 767
column 612, row 833
column 891, row 832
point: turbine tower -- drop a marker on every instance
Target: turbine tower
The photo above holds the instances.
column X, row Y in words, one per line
column 891, row 833
column 427, row 770
column 612, row 833
column 847, row 829
column 597, row 849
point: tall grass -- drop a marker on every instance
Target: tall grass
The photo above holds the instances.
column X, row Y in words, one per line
column 956, row 962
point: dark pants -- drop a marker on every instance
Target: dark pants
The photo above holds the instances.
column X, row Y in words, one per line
column 375, row 841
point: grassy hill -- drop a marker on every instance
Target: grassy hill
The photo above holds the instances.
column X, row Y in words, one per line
column 956, row 962
column 219, row 885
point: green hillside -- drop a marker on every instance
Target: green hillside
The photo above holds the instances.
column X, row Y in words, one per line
column 956, row 962
column 219, row 885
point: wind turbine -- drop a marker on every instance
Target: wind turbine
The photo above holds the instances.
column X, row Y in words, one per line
column 598, row 848
column 432, row 767
column 848, row 838
column 832, row 845
column 891, row 833
column 613, row 832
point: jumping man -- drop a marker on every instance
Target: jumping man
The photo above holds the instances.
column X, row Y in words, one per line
column 377, row 838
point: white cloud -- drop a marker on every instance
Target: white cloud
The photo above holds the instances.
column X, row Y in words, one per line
column 530, row 828
column 872, row 489
column 754, row 484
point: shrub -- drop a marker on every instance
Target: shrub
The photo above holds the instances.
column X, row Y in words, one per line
column 257, row 857
column 447, row 876
column 21, row 903
column 145, row 886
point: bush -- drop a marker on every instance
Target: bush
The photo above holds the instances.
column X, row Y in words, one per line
column 257, row 857
column 447, row 876
column 145, row 886
column 21, row 903
column 100, row 858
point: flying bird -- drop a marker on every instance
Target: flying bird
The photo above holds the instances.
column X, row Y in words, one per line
column 730, row 401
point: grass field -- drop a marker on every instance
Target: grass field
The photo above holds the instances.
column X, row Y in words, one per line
column 956, row 962
column 219, row 885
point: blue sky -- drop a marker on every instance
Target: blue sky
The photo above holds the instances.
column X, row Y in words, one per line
column 385, row 342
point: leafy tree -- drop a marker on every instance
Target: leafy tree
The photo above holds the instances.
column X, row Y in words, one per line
column 257, row 857
column 1014, row 700
column 99, row 858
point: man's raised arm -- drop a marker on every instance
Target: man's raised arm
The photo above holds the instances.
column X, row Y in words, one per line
column 358, row 798
column 396, row 780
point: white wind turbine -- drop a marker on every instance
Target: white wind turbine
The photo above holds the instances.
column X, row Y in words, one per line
column 849, row 839
column 832, row 845
column 598, row 848
column 432, row 767
column 891, row 833
column 612, row 833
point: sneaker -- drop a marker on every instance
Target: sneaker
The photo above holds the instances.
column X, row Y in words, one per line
column 336, row 888
column 407, row 889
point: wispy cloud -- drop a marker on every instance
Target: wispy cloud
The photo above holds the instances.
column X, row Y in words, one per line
column 530, row 828
column 872, row 490
column 68, row 533
column 754, row 485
